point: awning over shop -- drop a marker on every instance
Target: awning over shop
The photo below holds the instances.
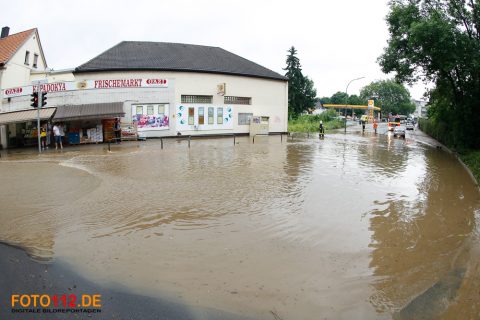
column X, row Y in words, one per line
column 26, row 115
column 89, row 111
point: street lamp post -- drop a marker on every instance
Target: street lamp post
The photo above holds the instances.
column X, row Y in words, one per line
column 346, row 92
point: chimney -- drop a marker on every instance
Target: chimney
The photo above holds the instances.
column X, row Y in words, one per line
column 5, row 31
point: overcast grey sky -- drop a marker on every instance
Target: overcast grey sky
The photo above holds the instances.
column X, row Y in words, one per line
column 337, row 40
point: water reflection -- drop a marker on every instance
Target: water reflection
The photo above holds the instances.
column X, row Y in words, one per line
column 32, row 197
column 416, row 241
column 346, row 227
column 386, row 161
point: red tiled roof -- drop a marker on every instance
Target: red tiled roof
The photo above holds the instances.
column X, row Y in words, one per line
column 9, row 45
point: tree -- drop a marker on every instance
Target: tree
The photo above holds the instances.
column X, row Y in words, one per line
column 356, row 100
column 325, row 100
column 301, row 91
column 339, row 98
column 295, row 78
column 439, row 41
column 309, row 93
column 390, row 96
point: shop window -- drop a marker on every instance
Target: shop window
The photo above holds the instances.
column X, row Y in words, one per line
column 237, row 100
column 27, row 57
column 150, row 111
column 191, row 116
column 196, row 99
column 210, row 115
column 244, row 118
column 201, row 115
column 139, row 110
column 220, row 115
column 161, row 109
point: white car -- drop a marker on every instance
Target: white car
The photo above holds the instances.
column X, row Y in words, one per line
column 409, row 126
column 399, row 131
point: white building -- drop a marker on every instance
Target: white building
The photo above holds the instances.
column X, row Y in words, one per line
column 20, row 55
column 421, row 108
column 163, row 89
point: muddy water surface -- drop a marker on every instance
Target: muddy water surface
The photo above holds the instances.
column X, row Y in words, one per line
column 349, row 227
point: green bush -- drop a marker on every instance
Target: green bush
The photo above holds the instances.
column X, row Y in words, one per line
column 311, row 123
column 472, row 160
column 440, row 131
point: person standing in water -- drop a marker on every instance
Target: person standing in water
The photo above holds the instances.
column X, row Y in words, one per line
column 118, row 130
column 321, row 130
column 43, row 136
column 58, row 136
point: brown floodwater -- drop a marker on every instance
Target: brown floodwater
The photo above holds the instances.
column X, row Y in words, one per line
column 350, row 227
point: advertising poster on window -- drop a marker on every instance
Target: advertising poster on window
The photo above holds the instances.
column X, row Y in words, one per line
column 204, row 117
column 151, row 116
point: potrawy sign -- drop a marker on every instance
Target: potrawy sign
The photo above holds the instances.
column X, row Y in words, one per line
column 86, row 85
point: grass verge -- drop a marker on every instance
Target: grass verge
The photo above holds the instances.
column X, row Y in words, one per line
column 472, row 160
column 311, row 123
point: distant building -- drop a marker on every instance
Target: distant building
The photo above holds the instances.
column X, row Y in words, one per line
column 318, row 108
column 421, row 108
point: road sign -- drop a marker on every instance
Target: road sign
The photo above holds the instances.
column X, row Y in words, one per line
column 371, row 104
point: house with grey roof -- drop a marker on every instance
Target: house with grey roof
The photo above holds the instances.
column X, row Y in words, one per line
column 163, row 56
column 210, row 90
column 166, row 89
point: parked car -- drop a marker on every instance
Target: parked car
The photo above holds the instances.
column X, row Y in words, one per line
column 409, row 126
column 399, row 131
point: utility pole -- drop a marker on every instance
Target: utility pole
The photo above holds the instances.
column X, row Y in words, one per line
column 346, row 92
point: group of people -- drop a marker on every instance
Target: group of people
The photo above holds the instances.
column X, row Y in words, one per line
column 46, row 131
column 321, row 128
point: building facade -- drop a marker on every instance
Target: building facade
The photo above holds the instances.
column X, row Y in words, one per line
column 421, row 108
column 161, row 89
column 20, row 55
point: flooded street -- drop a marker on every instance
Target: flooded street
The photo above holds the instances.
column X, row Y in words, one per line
column 350, row 227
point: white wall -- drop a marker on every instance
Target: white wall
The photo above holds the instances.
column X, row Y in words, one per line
column 269, row 97
column 53, row 76
column 17, row 73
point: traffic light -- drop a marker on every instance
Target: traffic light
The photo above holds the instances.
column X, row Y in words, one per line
column 34, row 100
column 44, row 99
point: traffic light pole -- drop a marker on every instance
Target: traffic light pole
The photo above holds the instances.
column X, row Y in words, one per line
column 38, row 84
column 38, row 118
